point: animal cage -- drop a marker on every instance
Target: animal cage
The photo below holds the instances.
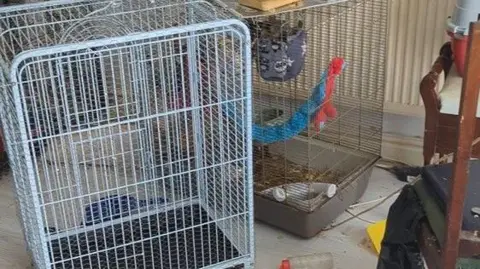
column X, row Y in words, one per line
column 318, row 82
column 117, row 119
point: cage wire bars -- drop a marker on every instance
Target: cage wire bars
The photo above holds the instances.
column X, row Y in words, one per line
column 116, row 119
column 350, row 141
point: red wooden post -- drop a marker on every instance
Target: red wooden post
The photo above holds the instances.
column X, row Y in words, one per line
column 466, row 128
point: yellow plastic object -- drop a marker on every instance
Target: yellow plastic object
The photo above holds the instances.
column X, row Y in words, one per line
column 267, row 5
column 375, row 232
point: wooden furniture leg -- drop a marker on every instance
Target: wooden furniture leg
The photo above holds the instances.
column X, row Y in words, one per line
column 469, row 246
column 432, row 104
column 466, row 129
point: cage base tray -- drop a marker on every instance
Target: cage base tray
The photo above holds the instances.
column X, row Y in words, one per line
column 157, row 241
column 268, row 5
column 308, row 224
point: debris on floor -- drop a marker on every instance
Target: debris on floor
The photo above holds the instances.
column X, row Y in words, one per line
column 317, row 261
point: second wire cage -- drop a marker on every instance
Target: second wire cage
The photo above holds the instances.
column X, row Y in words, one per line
column 318, row 83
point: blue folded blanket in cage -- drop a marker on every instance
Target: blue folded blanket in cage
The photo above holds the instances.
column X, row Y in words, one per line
column 114, row 207
column 294, row 125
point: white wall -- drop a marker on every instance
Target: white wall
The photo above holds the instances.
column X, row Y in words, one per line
column 416, row 33
column 403, row 138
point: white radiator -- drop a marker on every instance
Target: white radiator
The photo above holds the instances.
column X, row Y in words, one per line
column 416, row 34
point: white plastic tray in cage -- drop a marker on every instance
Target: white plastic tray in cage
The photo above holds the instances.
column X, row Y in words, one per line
column 280, row 51
column 73, row 165
column 303, row 192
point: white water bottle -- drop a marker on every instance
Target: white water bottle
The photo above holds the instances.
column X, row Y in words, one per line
column 312, row 261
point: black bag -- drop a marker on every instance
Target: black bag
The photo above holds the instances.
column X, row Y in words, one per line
column 400, row 248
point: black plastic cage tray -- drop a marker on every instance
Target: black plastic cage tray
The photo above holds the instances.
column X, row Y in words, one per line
column 180, row 238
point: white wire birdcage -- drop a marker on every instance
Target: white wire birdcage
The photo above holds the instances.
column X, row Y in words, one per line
column 117, row 125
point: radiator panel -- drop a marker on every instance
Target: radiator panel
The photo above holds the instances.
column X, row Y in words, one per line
column 416, row 34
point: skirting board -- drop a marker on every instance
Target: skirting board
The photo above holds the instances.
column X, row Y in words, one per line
column 404, row 149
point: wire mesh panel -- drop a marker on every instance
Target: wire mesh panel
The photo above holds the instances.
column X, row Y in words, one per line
column 318, row 80
column 118, row 124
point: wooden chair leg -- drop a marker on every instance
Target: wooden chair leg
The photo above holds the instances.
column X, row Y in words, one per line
column 432, row 114
column 429, row 143
column 430, row 134
column 428, row 91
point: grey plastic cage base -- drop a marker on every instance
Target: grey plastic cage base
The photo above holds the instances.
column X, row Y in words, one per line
column 307, row 225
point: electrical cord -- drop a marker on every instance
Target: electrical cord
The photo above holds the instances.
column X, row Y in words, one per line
column 365, row 203
column 357, row 216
